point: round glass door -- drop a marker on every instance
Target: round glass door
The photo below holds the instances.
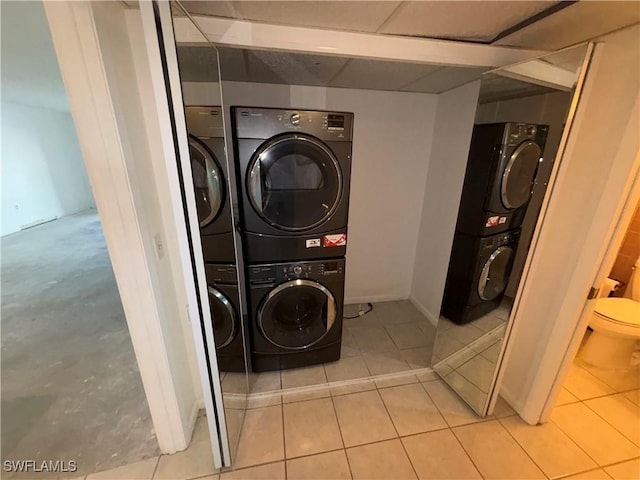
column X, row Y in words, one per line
column 207, row 182
column 294, row 182
column 297, row 314
column 520, row 174
column 223, row 315
column 495, row 273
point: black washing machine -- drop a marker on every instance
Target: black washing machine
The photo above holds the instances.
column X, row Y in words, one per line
column 293, row 169
column 209, row 170
column 478, row 274
column 500, row 175
column 296, row 313
column 222, row 283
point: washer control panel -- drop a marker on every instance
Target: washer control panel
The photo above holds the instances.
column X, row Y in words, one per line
column 281, row 272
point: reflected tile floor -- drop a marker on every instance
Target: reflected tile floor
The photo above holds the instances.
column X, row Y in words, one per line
column 393, row 337
column 421, row 430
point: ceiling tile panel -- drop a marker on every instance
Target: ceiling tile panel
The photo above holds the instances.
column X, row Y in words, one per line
column 444, row 79
column 577, row 23
column 278, row 67
column 464, row 20
column 197, row 64
column 217, row 8
column 379, row 75
column 360, row 16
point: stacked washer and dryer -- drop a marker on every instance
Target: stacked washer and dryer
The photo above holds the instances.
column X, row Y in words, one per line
column 499, row 180
column 209, row 172
column 293, row 170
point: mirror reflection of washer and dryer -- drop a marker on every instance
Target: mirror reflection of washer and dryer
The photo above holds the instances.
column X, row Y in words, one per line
column 293, row 172
column 498, row 184
column 213, row 202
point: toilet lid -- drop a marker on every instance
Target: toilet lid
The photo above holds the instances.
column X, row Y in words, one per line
column 622, row 310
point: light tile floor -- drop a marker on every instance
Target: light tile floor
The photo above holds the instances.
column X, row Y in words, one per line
column 416, row 427
column 417, row 430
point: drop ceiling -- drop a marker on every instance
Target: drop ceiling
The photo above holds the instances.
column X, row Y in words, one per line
column 454, row 20
column 532, row 24
column 198, row 64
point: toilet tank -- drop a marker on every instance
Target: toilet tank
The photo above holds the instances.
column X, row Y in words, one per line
column 633, row 288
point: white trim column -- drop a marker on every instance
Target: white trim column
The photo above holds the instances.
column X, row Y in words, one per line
column 112, row 139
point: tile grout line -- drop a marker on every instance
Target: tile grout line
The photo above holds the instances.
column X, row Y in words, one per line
column 583, row 402
column 571, row 438
column 344, row 446
column 398, row 433
column 607, row 421
column 522, row 448
column 466, row 452
column 155, row 468
column 452, row 431
column 284, row 440
column 479, row 420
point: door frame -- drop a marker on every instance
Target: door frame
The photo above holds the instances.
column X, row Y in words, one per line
column 171, row 117
column 620, row 221
column 582, row 218
column 164, row 366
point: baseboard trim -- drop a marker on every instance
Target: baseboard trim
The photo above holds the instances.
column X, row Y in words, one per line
column 193, row 418
column 423, row 310
column 374, row 299
column 343, row 383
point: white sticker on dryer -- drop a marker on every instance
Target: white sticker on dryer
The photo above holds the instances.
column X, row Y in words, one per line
column 313, row 242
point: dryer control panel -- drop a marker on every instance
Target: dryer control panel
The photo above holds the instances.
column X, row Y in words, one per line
column 516, row 133
column 263, row 123
column 282, row 272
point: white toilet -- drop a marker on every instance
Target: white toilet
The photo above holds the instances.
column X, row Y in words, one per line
column 616, row 327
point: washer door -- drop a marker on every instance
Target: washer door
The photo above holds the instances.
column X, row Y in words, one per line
column 520, row 174
column 294, row 182
column 495, row 273
column 208, row 182
column 225, row 319
column 297, row 314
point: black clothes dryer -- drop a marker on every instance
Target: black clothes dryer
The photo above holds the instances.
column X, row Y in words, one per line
column 209, row 170
column 294, row 169
column 296, row 313
column 478, row 274
column 224, row 302
column 500, row 175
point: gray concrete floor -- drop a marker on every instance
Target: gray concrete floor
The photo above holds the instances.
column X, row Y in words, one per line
column 71, row 389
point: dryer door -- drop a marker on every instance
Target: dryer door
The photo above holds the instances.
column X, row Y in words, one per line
column 519, row 175
column 495, row 273
column 294, row 182
column 224, row 317
column 208, row 182
column 297, row 314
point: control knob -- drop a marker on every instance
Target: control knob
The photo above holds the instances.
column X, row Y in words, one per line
column 295, row 119
column 297, row 269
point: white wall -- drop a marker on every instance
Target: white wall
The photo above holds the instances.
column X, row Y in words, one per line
column 43, row 173
column 443, row 188
column 581, row 214
column 391, row 142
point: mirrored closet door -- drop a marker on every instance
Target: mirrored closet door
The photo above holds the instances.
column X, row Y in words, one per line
column 523, row 116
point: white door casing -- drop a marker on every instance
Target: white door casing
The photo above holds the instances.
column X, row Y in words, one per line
column 106, row 106
column 189, row 227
